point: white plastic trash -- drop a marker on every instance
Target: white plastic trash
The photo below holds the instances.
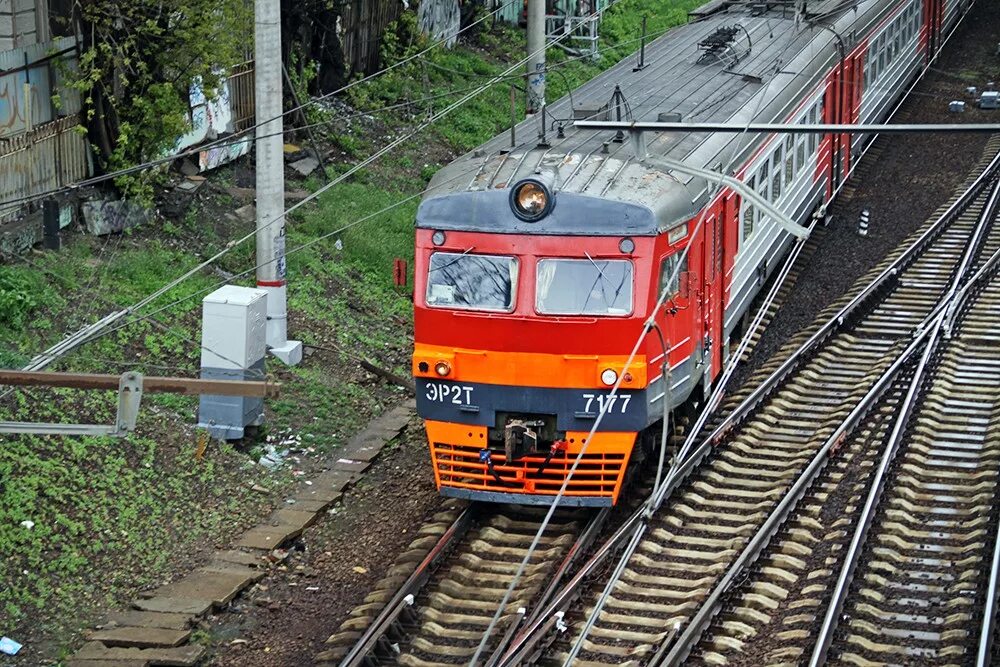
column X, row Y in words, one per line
column 8, row 646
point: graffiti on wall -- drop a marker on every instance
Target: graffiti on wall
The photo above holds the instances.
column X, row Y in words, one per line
column 212, row 118
column 224, row 153
column 14, row 106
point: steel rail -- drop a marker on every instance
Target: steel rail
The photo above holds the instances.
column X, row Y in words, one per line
column 985, row 649
column 954, row 297
column 710, row 607
column 719, row 391
column 405, row 595
column 580, row 546
column 927, row 330
column 524, row 643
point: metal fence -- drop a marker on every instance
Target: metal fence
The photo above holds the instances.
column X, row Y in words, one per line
column 363, row 23
column 47, row 157
column 241, row 95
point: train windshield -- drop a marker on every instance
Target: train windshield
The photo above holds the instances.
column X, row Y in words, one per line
column 584, row 287
column 472, row 282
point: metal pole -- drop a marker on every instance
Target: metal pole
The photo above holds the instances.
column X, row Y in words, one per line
column 513, row 119
column 50, row 224
column 791, row 128
column 642, row 49
column 271, row 179
column 151, row 385
column 536, row 55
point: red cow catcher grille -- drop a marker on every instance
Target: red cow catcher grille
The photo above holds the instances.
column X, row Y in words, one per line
column 599, row 474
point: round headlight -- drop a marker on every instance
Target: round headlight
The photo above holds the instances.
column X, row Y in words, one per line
column 609, row 376
column 442, row 368
column 530, row 200
column 626, row 245
column 437, row 238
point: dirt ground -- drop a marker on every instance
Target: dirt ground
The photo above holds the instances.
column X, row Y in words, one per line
column 285, row 618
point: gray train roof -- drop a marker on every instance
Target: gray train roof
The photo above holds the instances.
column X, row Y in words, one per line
column 786, row 59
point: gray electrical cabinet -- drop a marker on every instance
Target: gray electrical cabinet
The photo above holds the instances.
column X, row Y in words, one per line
column 233, row 347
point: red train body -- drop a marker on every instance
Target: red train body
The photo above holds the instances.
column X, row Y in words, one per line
column 524, row 318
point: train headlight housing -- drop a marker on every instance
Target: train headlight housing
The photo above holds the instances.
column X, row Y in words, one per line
column 438, row 237
column 442, row 368
column 531, row 200
column 609, row 377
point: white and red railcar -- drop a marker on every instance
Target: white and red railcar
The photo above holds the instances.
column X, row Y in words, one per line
column 538, row 263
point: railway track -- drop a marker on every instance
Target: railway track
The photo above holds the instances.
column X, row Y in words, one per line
column 440, row 595
column 720, row 519
column 936, row 519
column 921, row 576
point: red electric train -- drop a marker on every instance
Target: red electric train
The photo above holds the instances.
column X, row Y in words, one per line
column 538, row 263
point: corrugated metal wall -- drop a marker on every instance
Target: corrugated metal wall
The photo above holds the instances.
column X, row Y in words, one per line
column 50, row 156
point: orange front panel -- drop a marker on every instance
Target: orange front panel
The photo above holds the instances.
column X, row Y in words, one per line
column 526, row 369
column 455, row 456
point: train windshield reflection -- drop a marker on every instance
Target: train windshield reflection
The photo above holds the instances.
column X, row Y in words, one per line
column 473, row 282
column 584, row 287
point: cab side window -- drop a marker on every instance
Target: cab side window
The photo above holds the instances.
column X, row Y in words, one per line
column 667, row 271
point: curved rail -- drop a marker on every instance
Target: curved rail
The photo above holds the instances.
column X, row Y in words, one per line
column 428, row 615
column 926, row 336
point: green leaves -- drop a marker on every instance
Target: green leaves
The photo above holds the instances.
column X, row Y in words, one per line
column 21, row 293
column 138, row 62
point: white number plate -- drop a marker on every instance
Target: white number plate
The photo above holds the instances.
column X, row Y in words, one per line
column 594, row 403
column 448, row 393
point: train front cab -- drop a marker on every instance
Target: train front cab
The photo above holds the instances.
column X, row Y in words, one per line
column 518, row 341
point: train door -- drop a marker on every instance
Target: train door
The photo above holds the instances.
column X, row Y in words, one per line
column 857, row 97
column 847, row 104
column 933, row 18
column 712, row 293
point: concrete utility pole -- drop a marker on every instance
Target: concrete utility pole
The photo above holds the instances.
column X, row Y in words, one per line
column 536, row 55
column 271, row 179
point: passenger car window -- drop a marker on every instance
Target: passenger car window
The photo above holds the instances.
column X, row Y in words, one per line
column 472, row 282
column 584, row 287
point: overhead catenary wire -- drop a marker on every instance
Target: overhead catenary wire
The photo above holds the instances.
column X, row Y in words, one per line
column 110, row 323
column 113, row 323
column 661, row 301
column 645, row 331
column 659, row 494
column 240, row 137
column 94, row 331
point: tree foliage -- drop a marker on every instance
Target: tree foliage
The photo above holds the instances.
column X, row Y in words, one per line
column 137, row 63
